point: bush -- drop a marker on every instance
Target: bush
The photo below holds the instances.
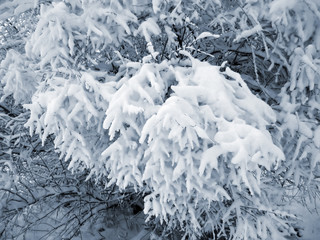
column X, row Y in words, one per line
column 207, row 109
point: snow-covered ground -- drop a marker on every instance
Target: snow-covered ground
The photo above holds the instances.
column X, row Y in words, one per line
column 309, row 223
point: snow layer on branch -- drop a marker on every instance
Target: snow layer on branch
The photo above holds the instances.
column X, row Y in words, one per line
column 249, row 32
column 63, row 32
column 17, row 77
column 149, row 28
column 191, row 146
column 72, row 110
column 139, row 95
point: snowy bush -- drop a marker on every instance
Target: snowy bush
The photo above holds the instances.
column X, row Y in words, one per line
column 204, row 150
column 209, row 109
